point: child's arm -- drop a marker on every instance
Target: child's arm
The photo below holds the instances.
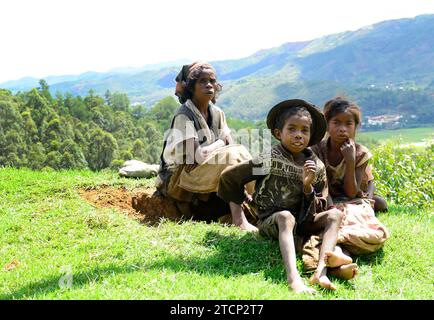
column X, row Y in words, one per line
column 229, row 140
column 330, row 203
column 308, row 176
column 196, row 154
column 203, row 152
column 353, row 176
column 315, row 192
column 370, row 189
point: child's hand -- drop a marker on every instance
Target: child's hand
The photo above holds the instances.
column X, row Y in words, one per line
column 309, row 170
column 206, row 151
column 249, row 197
column 348, row 150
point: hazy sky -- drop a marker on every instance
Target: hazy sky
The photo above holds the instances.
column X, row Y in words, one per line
column 53, row 37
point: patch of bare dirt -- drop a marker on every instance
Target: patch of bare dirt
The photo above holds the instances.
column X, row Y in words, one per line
column 140, row 203
column 148, row 207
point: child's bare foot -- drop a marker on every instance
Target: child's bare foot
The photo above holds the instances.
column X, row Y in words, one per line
column 298, row 286
column 336, row 258
column 246, row 226
column 346, row 272
column 322, row 281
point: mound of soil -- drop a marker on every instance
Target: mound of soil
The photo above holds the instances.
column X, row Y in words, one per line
column 143, row 204
column 140, row 203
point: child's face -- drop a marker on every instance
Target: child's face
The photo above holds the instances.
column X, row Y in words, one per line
column 295, row 134
column 342, row 127
column 205, row 86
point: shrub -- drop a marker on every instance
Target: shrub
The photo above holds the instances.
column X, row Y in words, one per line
column 404, row 174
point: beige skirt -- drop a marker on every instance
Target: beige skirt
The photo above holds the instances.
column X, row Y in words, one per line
column 361, row 232
column 204, row 179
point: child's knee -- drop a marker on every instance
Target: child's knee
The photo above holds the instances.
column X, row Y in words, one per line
column 335, row 216
column 380, row 204
column 226, row 175
column 285, row 218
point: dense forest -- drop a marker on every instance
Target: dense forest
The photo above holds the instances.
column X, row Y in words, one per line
column 40, row 131
column 65, row 131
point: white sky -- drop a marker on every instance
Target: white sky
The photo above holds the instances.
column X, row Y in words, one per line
column 54, row 37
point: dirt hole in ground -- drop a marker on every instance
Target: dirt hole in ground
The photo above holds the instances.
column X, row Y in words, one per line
column 139, row 203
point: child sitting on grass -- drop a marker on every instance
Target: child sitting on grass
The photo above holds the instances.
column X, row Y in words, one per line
column 349, row 180
column 291, row 188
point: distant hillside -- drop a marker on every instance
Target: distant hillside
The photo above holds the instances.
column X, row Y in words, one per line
column 388, row 68
column 81, row 83
column 391, row 51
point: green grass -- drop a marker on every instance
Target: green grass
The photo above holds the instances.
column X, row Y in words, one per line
column 413, row 135
column 47, row 228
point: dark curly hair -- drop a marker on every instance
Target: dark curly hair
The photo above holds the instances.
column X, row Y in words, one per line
column 188, row 77
column 338, row 105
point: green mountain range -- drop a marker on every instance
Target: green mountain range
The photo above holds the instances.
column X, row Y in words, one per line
column 387, row 68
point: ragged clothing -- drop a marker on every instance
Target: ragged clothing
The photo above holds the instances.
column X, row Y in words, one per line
column 188, row 123
column 360, row 232
column 194, row 192
column 279, row 184
column 335, row 174
column 191, row 124
column 205, row 177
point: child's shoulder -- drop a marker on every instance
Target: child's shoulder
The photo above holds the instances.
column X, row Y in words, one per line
column 362, row 154
column 361, row 146
column 361, row 149
column 320, row 149
column 313, row 156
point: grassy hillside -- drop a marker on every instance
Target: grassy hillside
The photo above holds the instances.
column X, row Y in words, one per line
column 50, row 234
column 413, row 135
